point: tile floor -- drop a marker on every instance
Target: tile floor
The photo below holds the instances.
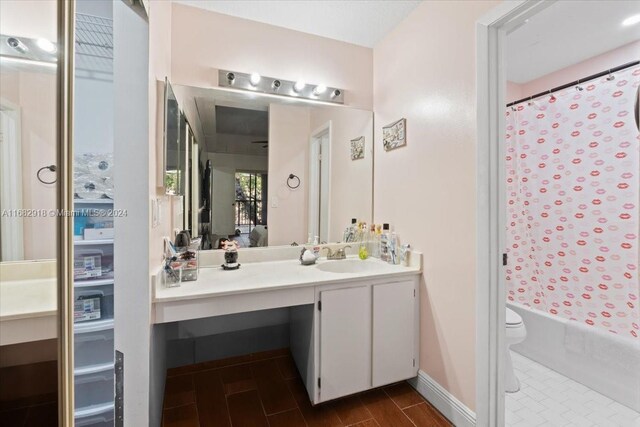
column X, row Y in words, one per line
column 547, row 398
column 265, row 390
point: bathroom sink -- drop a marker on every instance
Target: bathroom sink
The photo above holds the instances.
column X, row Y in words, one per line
column 347, row 266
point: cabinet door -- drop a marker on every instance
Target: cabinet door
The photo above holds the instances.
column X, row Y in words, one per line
column 394, row 326
column 345, row 342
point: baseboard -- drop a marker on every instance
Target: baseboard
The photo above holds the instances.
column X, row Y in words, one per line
column 443, row 401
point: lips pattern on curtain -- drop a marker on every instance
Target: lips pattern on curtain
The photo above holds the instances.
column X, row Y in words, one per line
column 572, row 170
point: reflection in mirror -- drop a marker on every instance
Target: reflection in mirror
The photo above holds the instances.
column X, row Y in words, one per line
column 174, row 147
column 28, row 193
column 253, row 143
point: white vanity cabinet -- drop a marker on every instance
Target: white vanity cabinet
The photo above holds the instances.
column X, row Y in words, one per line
column 365, row 334
column 345, row 341
column 395, row 332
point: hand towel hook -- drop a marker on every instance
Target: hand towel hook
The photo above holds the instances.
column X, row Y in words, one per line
column 294, row 178
column 51, row 168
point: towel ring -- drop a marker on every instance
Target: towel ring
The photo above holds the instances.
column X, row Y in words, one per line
column 51, row 168
column 294, row 178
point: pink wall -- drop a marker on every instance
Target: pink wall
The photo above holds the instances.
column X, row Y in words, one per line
column 159, row 67
column 351, row 180
column 34, row 92
column 289, row 129
column 426, row 190
column 622, row 55
column 29, row 18
column 204, row 41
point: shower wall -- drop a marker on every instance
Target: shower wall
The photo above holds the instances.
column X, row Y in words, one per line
column 572, row 163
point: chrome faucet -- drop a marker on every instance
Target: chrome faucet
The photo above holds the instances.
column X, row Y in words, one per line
column 338, row 254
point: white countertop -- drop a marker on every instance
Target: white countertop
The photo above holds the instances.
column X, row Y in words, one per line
column 273, row 275
column 23, row 299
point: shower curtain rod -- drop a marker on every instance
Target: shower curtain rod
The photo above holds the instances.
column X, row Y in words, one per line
column 577, row 82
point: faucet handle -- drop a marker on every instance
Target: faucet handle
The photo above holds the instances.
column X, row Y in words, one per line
column 329, row 251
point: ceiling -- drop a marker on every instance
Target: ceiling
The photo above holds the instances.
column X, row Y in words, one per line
column 361, row 22
column 241, row 121
column 568, row 32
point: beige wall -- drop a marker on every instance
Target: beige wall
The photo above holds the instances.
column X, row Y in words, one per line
column 424, row 70
column 289, row 130
column 204, row 41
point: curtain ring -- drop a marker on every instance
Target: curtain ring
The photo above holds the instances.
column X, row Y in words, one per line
column 51, row 168
column 294, row 178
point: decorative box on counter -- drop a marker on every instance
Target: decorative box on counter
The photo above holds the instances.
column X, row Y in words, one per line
column 189, row 262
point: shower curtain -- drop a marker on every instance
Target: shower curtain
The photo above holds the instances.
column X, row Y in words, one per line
column 573, row 170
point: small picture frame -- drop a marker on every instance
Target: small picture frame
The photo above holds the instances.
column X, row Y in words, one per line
column 394, row 135
column 357, row 148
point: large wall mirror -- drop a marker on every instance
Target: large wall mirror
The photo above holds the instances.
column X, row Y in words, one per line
column 174, row 143
column 278, row 171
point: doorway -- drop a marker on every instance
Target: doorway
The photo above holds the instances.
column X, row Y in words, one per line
column 320, row 182
column 250, row 209
column 497, row 266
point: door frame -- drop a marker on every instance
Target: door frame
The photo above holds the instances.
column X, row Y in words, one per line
column 11, row 183
column 314, row 177
column 491, row 31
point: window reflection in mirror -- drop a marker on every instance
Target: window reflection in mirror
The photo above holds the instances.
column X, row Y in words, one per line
column 174, row 147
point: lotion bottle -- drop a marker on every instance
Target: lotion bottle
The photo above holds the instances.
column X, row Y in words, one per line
column 384, row 243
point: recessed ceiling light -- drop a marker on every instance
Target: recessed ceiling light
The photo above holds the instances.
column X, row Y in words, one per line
column 631, row 20
column 46, row 45
column 255, row 79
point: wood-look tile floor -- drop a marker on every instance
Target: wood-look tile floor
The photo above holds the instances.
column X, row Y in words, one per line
column 265, row 389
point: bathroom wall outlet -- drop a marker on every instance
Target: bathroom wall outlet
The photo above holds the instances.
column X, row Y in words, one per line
column 274, row 202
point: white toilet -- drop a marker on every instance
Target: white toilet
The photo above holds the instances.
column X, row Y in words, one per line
column 516, row 332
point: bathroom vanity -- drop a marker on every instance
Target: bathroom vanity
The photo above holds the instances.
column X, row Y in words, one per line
column 353, row 324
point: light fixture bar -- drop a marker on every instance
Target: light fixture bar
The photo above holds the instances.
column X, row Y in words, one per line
column 28, row 49
column 253, row 82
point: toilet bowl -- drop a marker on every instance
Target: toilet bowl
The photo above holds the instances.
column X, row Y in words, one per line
column 516, row 332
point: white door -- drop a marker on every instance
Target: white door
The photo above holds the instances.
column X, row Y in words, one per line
column 394, row 326
column 319, row 188
column 345, row 342
column 223, row 201
column 11, row 227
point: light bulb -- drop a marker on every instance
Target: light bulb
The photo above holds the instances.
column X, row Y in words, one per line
column 319, row 90
column 634, row 19
column 46, row 45
column 299, row 85
column 254, row 79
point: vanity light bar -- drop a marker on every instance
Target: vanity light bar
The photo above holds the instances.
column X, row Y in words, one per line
column 256, row 83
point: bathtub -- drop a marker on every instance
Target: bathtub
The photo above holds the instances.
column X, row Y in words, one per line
column 612, row 369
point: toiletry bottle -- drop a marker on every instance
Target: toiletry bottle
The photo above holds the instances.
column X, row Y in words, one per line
column 384, row 243
column 393, row 249
column 376, row 241
column 353, row 230
column 371, row 235
column 405, row 252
